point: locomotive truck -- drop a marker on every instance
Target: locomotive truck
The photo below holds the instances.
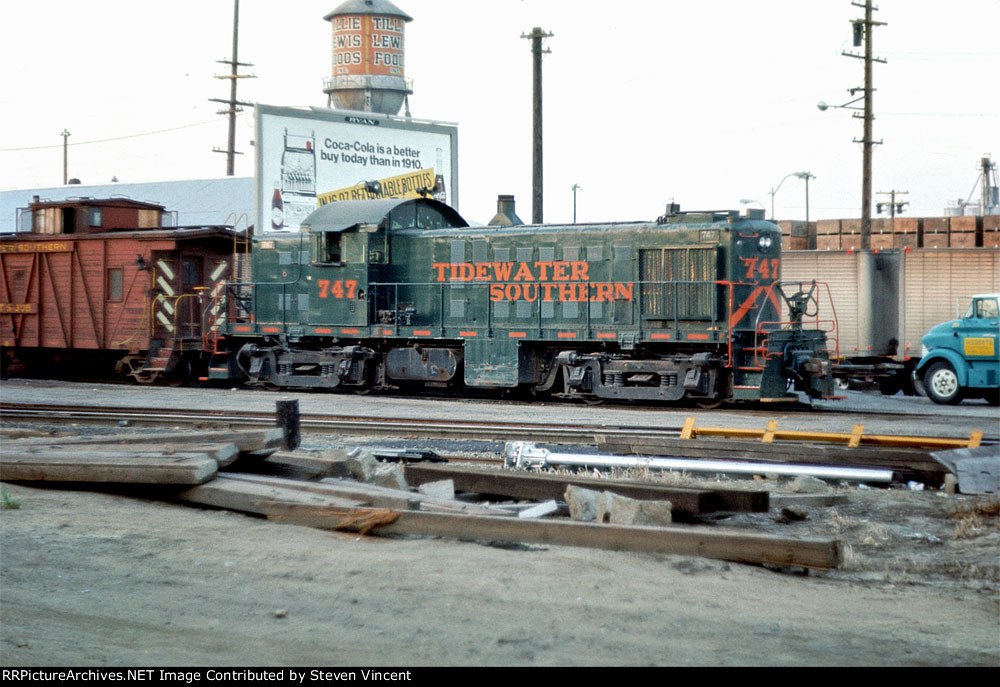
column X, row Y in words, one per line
column 405, row 294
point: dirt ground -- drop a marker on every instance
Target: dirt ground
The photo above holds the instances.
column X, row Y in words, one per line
column 98, row 579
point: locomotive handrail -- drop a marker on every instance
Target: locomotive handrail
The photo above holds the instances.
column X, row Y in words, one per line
column 833, row 307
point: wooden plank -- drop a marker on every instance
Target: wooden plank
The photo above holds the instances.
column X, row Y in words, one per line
column 378, row 497
column 134, row 468
column 245, row 439
column 740, row 547
column 306, row 466
column 247, row 497
column 223, row 454
column 543, row 487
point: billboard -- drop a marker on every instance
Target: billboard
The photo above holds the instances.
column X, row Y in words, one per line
column 303, row 155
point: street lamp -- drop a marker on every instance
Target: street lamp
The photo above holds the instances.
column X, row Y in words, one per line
column 576, row 187
column 801, row 175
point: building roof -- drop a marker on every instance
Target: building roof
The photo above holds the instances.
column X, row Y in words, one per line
column 202, row 202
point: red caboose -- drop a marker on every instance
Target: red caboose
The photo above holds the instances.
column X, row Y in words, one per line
column 104, row 280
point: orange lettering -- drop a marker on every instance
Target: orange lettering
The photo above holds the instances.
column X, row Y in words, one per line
column 544, row 270
column 560, row 271
column 466, row 271
column 482, row 273
column 324, row 288
column 528, row 290
column 502, row 270
column 548, row 291
column 524, row 273
column 603, row 292
column 567, row 293
column 496, row 292
column 513, row 292
column 578, row 271
column 623, row 291
column 440, row 267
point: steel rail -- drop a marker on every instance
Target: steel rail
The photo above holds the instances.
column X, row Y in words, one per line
column 355, row 425
column 423, row 428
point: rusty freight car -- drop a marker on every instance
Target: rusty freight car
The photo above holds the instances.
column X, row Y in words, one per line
column 103, row 282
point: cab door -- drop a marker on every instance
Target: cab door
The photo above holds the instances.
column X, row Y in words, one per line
column 339, row 279
column 979, row 331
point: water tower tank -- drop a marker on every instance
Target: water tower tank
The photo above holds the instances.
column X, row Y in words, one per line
column 368, row 57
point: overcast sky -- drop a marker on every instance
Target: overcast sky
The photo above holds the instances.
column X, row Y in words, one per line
column 705, row 103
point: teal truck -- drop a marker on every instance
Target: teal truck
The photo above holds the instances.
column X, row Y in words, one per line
column 960, row 358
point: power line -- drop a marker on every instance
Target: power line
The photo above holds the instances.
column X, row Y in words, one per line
column 108, row 140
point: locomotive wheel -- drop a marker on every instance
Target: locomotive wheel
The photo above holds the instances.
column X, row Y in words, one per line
column 942, row 384
column 181, row 374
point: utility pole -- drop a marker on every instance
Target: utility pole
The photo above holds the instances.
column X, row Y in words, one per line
column 65, row 134
column 576, row 187
column 235, row 106
column 894, row 206
column 863, row 31
column 536, row 36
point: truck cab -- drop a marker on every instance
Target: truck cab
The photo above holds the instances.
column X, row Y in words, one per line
column 961, row 358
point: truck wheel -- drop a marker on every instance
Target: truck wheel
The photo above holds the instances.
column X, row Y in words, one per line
column 942, row 384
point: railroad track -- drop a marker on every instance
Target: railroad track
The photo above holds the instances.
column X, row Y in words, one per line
column 353, row 425
column 467, row 430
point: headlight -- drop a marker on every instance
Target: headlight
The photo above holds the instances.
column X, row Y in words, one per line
column 764, row 243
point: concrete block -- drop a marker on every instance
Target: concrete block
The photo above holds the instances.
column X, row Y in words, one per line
column 979, row 475
column 442, row 489
column 807, row 484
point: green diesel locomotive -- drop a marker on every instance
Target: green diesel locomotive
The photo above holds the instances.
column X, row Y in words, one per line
column 404, row 294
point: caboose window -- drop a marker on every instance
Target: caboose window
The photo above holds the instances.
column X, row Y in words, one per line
column 95, row 217
column 115, row 284
column 191, row 272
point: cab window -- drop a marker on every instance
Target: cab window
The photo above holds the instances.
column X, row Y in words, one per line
column 986, row 309
column 327, row 247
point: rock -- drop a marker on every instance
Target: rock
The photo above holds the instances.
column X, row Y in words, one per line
column 362, row 463
column 792, row 514
column 621, row 510
column 443, row 489
column 390, row 475
column 583, row 503
column 806, row 484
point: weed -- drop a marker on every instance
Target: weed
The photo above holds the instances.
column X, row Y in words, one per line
column 9, row 502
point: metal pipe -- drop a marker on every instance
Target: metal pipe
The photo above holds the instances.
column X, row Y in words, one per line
column 523, row 454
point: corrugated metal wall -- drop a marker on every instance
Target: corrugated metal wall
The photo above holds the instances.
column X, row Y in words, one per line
column 840, row 271
column 930, row 283
column 935, row 280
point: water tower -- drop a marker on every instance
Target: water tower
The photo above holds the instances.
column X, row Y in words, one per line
column 368, row 57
